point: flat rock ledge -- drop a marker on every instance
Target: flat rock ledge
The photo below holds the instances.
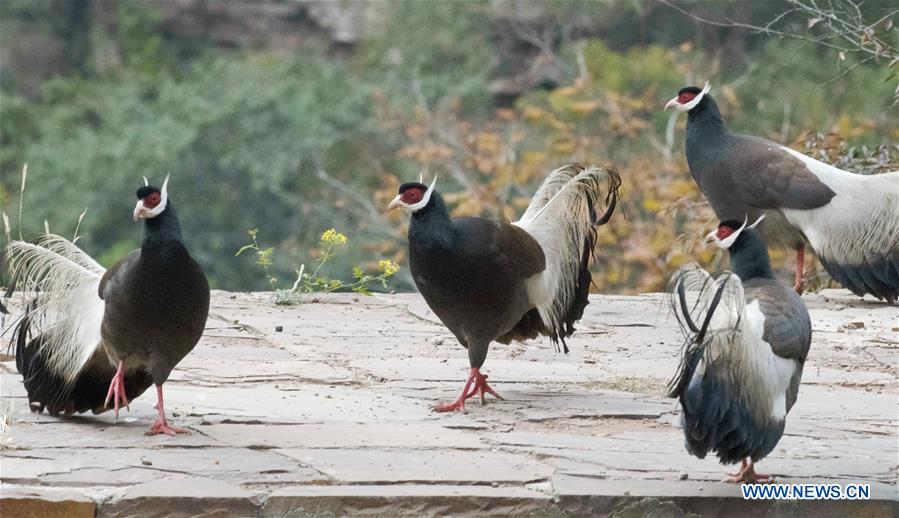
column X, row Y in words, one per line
column 324, row 409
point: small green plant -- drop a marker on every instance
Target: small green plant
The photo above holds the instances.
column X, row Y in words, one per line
column 330, row 243
column 263, row 256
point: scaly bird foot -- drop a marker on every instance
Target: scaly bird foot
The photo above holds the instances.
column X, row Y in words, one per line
column 163, row 427
column 116, row 392
column 747, row 475
column 475, row 384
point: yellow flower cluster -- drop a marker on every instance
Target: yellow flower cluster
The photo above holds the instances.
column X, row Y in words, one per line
column 388, row 267
column 333, row 237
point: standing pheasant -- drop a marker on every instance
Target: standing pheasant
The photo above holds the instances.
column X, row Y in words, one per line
column 488, row 280
column 94, row 338
column 850, row 220
column 747, row 339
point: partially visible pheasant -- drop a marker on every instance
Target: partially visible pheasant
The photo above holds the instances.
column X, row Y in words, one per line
column 488, row 280
column 747, row 340
column 91, row 338
column 850, row 220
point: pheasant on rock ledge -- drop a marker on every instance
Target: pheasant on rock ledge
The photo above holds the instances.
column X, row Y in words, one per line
column 850, row 220
column 747, row 338
column 92, row 337
column 488, row 280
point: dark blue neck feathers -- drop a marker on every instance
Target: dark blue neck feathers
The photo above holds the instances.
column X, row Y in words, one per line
column 705, row 119
column 431, row 226
column 749, row 256
column 162, row 232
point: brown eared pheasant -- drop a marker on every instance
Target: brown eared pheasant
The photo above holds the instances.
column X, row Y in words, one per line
column 494, row 281
column 93, row 339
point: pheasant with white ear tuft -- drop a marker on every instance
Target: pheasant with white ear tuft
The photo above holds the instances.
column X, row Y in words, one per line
column 747, row 338
column 488, row 280
column 850, row 220
column 90, row 338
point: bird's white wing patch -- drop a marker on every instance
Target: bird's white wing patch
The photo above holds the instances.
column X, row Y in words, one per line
column 765, row 374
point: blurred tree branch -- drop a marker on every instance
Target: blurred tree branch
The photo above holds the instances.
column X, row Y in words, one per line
column 842, row 26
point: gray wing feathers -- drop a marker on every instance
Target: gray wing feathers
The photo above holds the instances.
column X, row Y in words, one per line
column 787, row 325
column 774, row 179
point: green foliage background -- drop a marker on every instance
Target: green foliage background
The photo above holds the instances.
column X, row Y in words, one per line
column 295, row 142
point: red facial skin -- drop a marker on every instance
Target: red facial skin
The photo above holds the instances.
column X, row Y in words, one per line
column 152, row 200
column 412, row 196
column 723, row 232
column 685, row 97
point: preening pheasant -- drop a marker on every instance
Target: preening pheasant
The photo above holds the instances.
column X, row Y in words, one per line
column 93, row 338
column 488, row 280
column 747, row 338
column 851, row 221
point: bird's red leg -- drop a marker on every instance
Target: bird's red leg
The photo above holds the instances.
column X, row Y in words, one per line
column 476, row 384
column 800, row 263
column 737, row 473
column 481, row 387
column 116, row 392
column 161, row 425
column 747, row 474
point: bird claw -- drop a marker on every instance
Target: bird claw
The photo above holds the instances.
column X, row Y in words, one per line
column 475, row 385
column 747, row 475
column 116, row 392
column 164, row 427
column 458, row 404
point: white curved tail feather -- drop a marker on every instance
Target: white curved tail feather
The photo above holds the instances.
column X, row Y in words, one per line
column 66, row 310
column 562, row 218
column 725, row 330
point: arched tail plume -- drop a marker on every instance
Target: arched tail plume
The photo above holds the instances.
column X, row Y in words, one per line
column 59, row 332
column 563, row 218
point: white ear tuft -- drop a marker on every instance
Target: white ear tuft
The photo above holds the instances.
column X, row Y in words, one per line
column 729, row 240
column 692, row 104
column 758, row 221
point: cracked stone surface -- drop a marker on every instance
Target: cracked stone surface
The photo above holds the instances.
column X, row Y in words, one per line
column 332, row 415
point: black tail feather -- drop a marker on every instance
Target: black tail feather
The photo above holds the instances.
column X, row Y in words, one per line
column 714, row 420
column 582, row 292
column 880, row 278
column 49, row 391
column 695, row 344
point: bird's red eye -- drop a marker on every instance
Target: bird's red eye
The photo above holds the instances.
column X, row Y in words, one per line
column 152, row 200
column 685, row 97
column 412, row 196
column 723, row 232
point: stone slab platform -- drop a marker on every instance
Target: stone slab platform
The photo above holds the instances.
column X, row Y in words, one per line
column 323, row 409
